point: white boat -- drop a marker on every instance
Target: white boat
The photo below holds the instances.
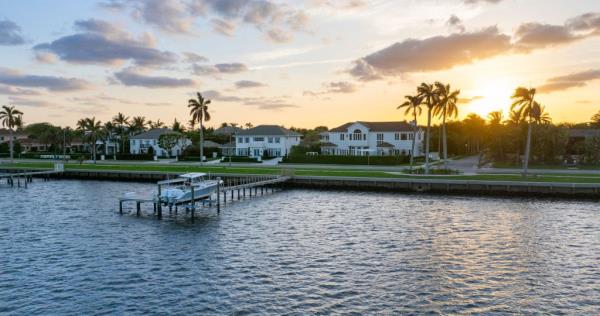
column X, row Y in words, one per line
column 187, row 187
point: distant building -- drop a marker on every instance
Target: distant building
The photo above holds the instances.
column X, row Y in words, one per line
column 372, row 138
column 140, row 144
column 270, row 140
column 227, row 130
column 5, row 135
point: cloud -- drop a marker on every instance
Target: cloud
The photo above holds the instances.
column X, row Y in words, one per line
column 168, row 15
column 242, row 84
column 216, row 69
column 194, row 58
column 223, row 27
column 431, row 54
column 482, row 1
column 333, row 87
column 103, row 43
column 131, row 77
column 8, row 90
column 454, row 23
column 469, row 100
column 16, row 78
column 262, row 103
column 23, row 101
column 275, row 20
column 530, row 36
column 578, row 79
column 10, row 33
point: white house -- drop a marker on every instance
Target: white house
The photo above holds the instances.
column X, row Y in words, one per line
column 139, row 144
column 270, row 140
column 372, row 138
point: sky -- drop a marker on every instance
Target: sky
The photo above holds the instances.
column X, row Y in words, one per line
column 301, row 63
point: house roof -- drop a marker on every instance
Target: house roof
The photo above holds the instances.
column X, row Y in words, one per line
column 268, row 130
column 153, row 133
column 328, row 144
column 227, row 130
column 211, row 144
column 228, row 145
column 385, row 145
column 402, row 126
column 584, row 132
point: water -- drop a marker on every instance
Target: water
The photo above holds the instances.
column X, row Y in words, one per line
column 64, row 249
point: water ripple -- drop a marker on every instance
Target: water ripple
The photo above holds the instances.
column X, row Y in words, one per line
column 65, row 250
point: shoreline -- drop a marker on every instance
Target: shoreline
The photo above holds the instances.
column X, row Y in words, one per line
column 436, row 185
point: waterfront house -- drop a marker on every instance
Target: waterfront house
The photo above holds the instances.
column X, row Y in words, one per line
column 5, row 135
column 141, row 143
column 372, row 138
column 266, row 140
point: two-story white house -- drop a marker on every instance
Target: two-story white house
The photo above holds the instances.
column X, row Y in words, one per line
column 139, row 144
column 269, row 140
column 372, row 138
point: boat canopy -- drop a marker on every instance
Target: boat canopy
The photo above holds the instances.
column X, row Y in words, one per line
column 193, row 175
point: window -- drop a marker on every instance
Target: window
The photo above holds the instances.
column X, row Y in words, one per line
column 247, row 140
column 241, row 140
column 357, row 135
column 342, row 136
column 259, row 139
column 379, row 138
column 410, row 136
column 133, row 142
column 154, row 142
column 277, row 140
column 397, row 136
column 270, row 140
column 404, row 136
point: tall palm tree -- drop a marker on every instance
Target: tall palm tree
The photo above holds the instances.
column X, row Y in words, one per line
column 177, row 126
column 447, row 107
column 91, row 129
column 249, row 125
column 495, row 118
column 199, row 113
column 137, row 124
column 9, row 116
column 413, row 107
column 539, row 115
column 430, row 99
column 121, row 121
column 157, row 124
column 524, row 104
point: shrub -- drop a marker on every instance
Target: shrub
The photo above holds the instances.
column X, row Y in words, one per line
column 436, row 171
column 348, row 160
column 135, row 157
column 240, row 159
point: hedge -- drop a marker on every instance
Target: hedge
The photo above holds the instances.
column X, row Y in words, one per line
column 348, row 160
column 240, row 159
column 134, row 157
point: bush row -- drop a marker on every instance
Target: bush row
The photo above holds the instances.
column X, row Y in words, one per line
column 348, row 160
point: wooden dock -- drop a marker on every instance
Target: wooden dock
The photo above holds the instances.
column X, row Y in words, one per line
column 25, row 177
column 244, row 187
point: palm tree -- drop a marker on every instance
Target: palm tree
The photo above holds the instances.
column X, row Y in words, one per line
column 9, row 116
column 249, row 125
column 91, row 129
column 447, row 107
column 495, row 118
column 157, row 124
column 413, row 107
column 539, row 114
column 121, row 121
column 177, row 127
column 199, row 113
column 524, row 104
column 137, row 124
column 429, row 96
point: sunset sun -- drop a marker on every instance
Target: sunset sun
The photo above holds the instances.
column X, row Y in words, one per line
column 491, row 95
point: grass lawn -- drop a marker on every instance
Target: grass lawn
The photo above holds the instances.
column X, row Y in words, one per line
column 176, row 168
column 504, row 165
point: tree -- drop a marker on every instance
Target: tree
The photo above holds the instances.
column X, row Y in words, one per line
column 413, row 107
column 177, row 127
column 496, row 134
column 168, row 141
column 91, row 129
column 427, row 93
column 199, row 113
column 592, row 151
column 596, row 120
column 121, row 121
column 249, row 125
column 524, row 104
column 9, row 116
column 447, row 107
column 137, row 125
column 157, row 124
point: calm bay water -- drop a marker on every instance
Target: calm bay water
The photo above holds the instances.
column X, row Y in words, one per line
column 64, row 249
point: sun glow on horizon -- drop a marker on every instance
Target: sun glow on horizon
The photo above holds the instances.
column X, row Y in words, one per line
column 491, row 95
